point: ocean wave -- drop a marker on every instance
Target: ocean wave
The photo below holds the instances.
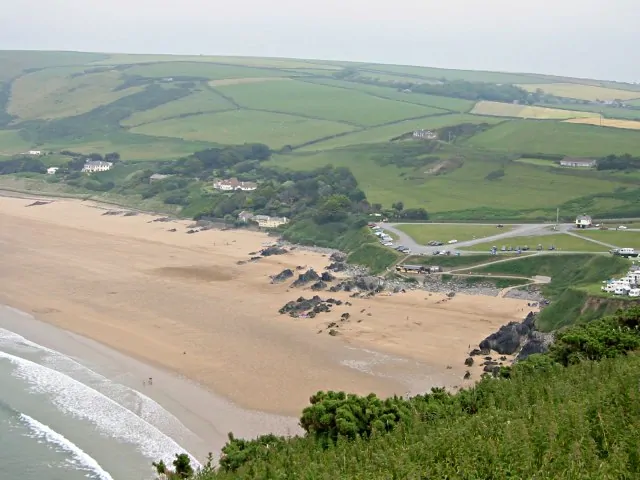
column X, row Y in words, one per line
column 140, row 404
column 82, row 460
column 110, row 418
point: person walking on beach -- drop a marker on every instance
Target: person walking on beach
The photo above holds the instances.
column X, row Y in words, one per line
column 150, row 381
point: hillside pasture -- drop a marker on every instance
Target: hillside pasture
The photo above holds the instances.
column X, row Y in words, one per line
column 243, row 126
column 525, row 111
column 562, row 242
column 582, row 92
column 323, row 102
column 387, row 132
column 423, row 232
column 540, row 162
column 530, row 136
column 444, row 103
column 521, row 188
column 607, row 122
column 239, row 81
column 608, row 112
column 210, row 71
column 201, row 101
column 14, row 62
column 64, row 92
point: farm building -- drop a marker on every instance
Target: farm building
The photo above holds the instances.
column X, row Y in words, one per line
column 578, row 162
column 425, row 135
column 52, row 170
column 92, row 166
column 234, row 184
column 583, row 221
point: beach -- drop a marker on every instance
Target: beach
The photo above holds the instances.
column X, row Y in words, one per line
column 191, row 307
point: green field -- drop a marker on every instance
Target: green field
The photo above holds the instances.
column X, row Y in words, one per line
column 387, row 132
column 525, row 111
column 562, row 242
column 619, row 238
column 530, row 136
column 540, row 162
column 438, row 73
column 424, row 233
column 323, row 102
column 201, row 101
column 200, row 70
column 454, row 262
column 608, row 112
column 244, row 126
column 523, row 187
column 11, row 143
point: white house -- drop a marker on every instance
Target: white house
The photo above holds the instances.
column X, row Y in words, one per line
column 577, row 162
column 425, row 134
column 52, row 170
column 35, row 152
column 265, row 221
column 92, row 166
column 583, row 221
column 234, row 184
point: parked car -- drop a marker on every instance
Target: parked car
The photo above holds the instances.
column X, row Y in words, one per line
column 450, row 242
column 500, row 225
column 622, row 227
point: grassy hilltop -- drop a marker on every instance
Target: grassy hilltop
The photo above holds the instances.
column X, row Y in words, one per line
column 501, row 133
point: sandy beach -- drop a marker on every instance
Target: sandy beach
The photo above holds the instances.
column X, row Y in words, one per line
column 181, row 303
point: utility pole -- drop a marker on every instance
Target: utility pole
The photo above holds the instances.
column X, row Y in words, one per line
column 557, row 216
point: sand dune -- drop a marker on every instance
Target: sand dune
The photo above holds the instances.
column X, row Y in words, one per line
column 190, row 304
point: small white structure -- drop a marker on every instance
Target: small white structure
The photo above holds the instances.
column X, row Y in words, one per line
column 583, row 221
column 233, row 184
column 634, row 292
column 34, row 152
column 92, row 166
column 265, row 221
column 52, row 170
column 425, row 135
column 245, row 216
column 158, row 176
column 577, row 162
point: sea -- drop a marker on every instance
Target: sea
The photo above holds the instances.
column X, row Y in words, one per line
column 60, row 420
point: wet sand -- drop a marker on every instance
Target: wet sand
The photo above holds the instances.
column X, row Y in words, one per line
column 182, row 303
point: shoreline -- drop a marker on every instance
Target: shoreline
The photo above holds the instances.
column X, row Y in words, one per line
column 194, row 305
column 209, row 417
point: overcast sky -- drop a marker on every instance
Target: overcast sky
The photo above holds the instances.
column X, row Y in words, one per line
column 588, row 38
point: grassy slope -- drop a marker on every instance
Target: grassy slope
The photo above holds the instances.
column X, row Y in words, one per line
column 558, row 138
column 200, row 69
column 241, row 126
column 523, row 187
column 619, row 238
column 523, row 111
column 583, row 92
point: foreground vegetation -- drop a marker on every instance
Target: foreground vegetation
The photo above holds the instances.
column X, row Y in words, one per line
column 563, row 415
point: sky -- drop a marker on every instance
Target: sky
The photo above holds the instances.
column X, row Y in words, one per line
column 582, row 38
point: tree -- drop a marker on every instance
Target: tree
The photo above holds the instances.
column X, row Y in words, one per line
column 112, row 157
column 399, row 206
column 182, row 465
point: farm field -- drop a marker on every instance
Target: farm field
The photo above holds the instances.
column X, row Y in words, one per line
column 387, row 132
column 582, row 92
column 57, row 93
column 607, row 112
column 456, row 105
column 16, row 62
column 619, row 238
column 529, row 136
column 468, row 75
column 424, row 233
column 202, row 101
column 522, row 188
column 243, row 126
column 524, row 111
column 607, row 122
column 561, row 241
column 210, row 71
column 323, row 102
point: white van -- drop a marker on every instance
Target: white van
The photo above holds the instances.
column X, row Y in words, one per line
column 620, row 291
column 634, row 292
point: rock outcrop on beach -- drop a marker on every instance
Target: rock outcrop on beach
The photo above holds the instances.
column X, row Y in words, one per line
column 269, row 251
column 308, row 307
column 304, row 278
column 518, row 337
column 282, row 276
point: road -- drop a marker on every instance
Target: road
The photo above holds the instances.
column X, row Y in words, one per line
column 522, row 230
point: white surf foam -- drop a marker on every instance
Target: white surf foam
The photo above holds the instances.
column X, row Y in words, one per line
column 82, row 460
column 110, row 418
column 140, row 404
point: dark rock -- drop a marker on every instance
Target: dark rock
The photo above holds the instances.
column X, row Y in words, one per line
column 345, row 316
column 338, row 257
column 469, row 362
column 130, row 214
column 255, row 259
column 240, row 262
column 485, row 351
column 508, row 339
column 173, row 230
column 306, row 277
column 319, row 286
column 333, row 332
column 467, row 375
column 488, row 358
column 327, row 277
column 475, row 352
column 536, row 343
column 109, row 212
column 337, row 267
column 282, row 276
column 451, row 294
column 162, row 219
column 37, row 203
column 267, row 252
